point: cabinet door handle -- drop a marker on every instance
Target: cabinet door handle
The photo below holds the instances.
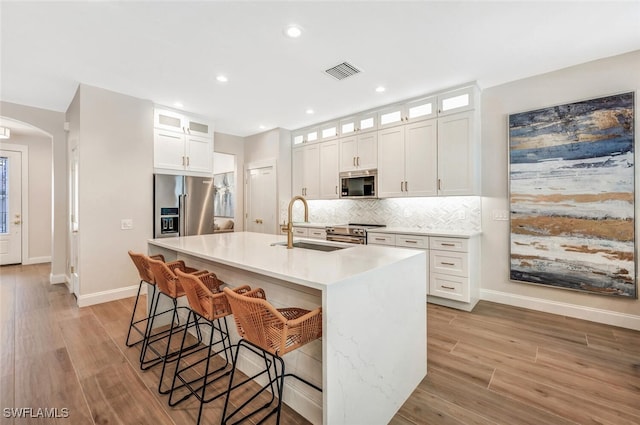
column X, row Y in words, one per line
column 410, row 241
column 447, row 244
column 439, row 184
column 187, row 161
column 336, row 190
column 406, row 186
column 448, row 287
column 358, row 161
column 447, row 264
column 183, row 162
column 401, row 186
column 354, row 161
column 379, row 239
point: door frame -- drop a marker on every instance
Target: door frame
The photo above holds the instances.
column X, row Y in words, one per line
column 252, row 166
column 24, row 150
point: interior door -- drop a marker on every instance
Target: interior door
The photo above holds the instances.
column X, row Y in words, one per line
column 261, row 200
column 10, row 207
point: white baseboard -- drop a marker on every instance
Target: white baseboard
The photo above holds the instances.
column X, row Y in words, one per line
column 58, row 278
column 36, row 260
column 106, row 296
column 607, row 317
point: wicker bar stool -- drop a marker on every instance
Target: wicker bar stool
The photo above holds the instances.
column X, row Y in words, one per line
column 272, row 333
column 168, row 285
column 142, row 265
column 209, row 306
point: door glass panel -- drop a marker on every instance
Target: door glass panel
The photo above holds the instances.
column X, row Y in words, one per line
column 169, row 121
column 298, row 139
column 348, row 127
column 200, row 128
column 312, row 136
column 390, row 117
column 328, row 132
column 3, row 195
column 455, row 102
column 366, row 123
column 420, row 110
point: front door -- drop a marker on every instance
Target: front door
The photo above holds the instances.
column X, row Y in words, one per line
column 10, row 207
column 261, row 200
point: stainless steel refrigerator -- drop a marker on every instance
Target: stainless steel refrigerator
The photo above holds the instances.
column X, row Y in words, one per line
column 183, row 205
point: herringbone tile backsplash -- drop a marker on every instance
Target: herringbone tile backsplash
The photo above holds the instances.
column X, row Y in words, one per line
column 460, row 213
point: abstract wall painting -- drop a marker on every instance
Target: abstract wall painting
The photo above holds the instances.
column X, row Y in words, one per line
column 571, row 194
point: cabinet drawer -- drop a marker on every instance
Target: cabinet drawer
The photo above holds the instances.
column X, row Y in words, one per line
column 381, row 239
column 317, row 233
column 450, row 262
column 300, row 231
column 449, row 244
column 446, row 286
column 410, row 241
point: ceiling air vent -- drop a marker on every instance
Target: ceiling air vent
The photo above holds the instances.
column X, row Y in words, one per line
column 342, row 71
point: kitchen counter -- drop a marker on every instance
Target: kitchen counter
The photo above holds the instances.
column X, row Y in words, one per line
column 366, row 378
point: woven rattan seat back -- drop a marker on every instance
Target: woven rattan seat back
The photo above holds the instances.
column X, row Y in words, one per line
column 277, row 331
column 204, row 295
column 166, row 280
column 141, row 263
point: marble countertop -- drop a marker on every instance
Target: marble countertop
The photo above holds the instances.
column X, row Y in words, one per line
column 312, row 224
column 254, row 252
column 426, row 232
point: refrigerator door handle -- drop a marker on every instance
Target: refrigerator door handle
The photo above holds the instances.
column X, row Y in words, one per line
column 183, row 216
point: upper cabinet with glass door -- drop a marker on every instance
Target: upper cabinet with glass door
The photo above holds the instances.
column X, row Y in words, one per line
column 166, row 119
column 458, row 100
column 305, row 135
column 404, row 113
column 360, row 123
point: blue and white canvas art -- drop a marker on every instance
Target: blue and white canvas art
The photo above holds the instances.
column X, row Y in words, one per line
column 571, row 174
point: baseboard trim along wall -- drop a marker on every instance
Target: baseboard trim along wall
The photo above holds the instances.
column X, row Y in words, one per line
column 607, row 317
column 36, row 260
column 57, row 278
column 110, row 295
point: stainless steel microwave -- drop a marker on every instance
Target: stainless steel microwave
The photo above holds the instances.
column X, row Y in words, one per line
column 359, row 184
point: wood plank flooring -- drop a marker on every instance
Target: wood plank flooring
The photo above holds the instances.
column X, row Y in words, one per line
column 495, row 365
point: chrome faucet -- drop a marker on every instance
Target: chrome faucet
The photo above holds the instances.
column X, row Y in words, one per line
column 289, row 226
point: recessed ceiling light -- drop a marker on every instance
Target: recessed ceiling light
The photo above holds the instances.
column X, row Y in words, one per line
column 178, row 105
column 380, row 89
column 262, row 127
column 293, row 31
column 222, row 78
column 309, row 111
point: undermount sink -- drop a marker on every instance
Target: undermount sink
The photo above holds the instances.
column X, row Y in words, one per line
column 312, row 245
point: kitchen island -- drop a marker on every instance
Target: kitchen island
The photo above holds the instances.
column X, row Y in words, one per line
column 373, row 351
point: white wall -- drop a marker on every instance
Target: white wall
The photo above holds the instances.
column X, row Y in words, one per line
column 39, row 196
column 594, row 79
column 52, row 123
column 115, row 141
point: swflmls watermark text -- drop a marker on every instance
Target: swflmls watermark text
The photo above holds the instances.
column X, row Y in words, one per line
column 35, row 412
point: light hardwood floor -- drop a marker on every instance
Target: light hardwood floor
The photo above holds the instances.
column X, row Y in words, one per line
column 495, row 365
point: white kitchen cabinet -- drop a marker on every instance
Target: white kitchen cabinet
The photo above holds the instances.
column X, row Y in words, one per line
column 305, row 135
column 409, row 112
column 182, row 152
column 182, row 144
column 329, row 130
column 359, row 152
column 407, row 160
column 458, row 162
column 360, row 123
column 455, row 101
column 166, row 119
column 453, row 277
column 329, row 170
column 309, row 232
column 306, row 171
column 402, row 241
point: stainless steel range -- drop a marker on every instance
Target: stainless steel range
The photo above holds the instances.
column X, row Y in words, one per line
column 355, row 233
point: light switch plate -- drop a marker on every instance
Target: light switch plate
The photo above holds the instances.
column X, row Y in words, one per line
column 126, row 224
column 500, row 215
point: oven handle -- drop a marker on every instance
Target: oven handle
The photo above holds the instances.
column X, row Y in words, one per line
column 346, row 239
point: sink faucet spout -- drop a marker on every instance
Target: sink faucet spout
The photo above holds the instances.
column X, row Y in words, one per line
column 289, row 226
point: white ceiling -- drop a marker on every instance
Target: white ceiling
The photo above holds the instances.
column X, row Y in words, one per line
column 172, row 51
